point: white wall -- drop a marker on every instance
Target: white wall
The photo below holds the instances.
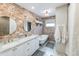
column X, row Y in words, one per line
column 61, row 15
column 76, row 30
column 71, row 18
column 61, row 21
column 73, row 29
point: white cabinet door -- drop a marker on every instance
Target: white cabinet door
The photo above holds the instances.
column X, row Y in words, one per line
column 27, row 51
column 36, row 44
column 18, row 50
column 33, row 47
column 7, row 53
column 29, row 47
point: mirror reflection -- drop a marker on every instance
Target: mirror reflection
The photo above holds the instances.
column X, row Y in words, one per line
column 7, row 25
column 27, row 25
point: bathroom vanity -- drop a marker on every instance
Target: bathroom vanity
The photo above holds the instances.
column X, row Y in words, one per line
column 20, row 47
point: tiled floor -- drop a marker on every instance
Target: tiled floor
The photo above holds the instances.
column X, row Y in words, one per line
column 48, row 51
column 45, row 50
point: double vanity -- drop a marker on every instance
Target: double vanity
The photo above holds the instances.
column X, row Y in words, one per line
column 21, row 47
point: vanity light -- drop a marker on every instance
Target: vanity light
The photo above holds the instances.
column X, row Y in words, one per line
column 46, row 14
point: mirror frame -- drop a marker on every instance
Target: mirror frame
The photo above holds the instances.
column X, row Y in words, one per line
column 10, row 18
column 24, row 25
column 16, row 26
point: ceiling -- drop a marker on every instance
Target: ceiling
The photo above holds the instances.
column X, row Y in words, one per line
column 41, row 9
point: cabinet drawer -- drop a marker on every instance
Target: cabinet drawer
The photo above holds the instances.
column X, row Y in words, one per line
column 27, row 51
column 29, row 43
column 18, row 51
column 31, row 46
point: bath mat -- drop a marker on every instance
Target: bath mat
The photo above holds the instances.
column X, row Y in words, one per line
column 50, row 45
column 38, row 53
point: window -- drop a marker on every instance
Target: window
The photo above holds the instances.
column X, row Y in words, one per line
column 50, row 24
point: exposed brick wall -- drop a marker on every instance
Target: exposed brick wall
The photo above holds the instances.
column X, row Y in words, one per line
column 18, row 14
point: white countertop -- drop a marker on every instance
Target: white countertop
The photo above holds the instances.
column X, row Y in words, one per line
column 43, row 37
column 17, row 42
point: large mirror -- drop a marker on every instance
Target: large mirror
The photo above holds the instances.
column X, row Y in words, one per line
column 27, row 25
column 7, row 25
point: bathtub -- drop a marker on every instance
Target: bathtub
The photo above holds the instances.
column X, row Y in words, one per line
column 42, row 39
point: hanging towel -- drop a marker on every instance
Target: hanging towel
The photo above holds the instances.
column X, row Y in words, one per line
column 64, row 35
column 57, row 34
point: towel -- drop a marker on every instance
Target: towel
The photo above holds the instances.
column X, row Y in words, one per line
column 64, row 35
column 57, row 34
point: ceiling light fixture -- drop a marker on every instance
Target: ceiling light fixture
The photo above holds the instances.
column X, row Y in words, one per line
column 46, row 10
column 49, row 10
column 32, row 7
column 46, row 13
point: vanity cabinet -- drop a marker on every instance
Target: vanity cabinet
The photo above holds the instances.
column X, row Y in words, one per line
column 7, row 53
column 18, row 50
column 32, row 45
column 25, row 49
